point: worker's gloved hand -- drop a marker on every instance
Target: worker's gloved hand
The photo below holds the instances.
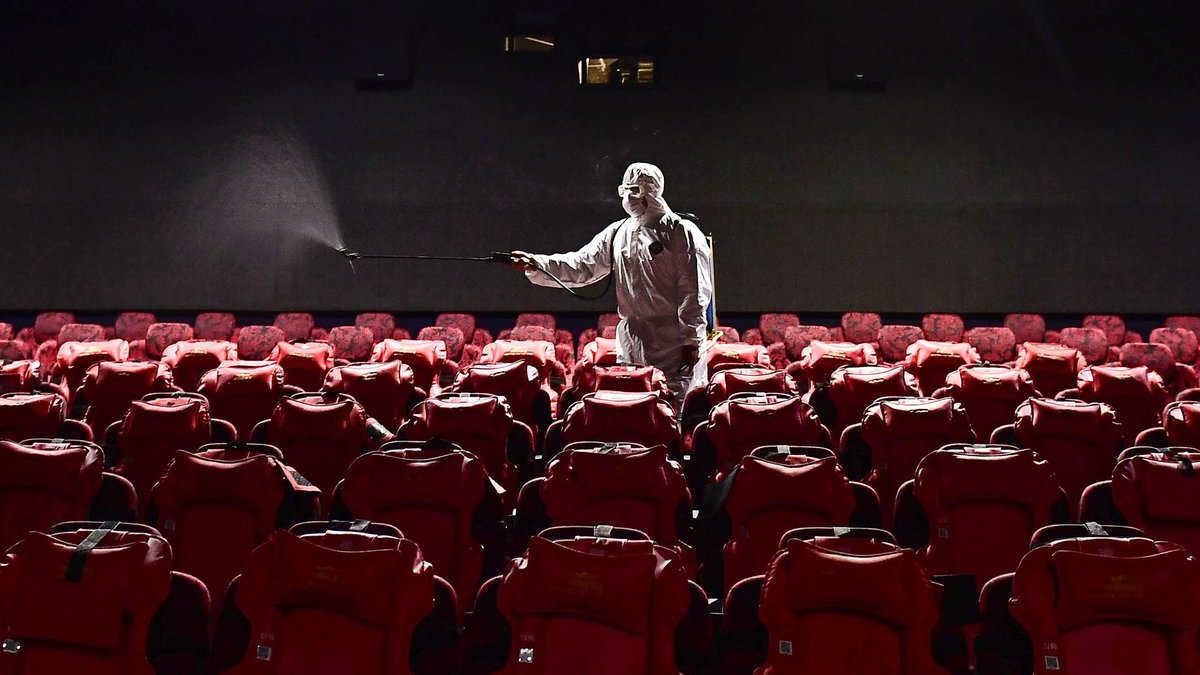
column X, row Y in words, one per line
column 523, row 261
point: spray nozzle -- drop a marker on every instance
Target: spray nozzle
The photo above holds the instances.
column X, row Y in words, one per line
column 345, row 252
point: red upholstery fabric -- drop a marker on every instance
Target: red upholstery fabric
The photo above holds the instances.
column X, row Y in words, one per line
column 531, row 319
column 773, row 326
column 777, row 354
column 243, row 393
column 190, row 359
column 530, row 332
column 159, row 336
column 1027, row 327
column 983, row 504
column 894, row 341
column 133, row 325
column 319, row 435
column 825, row 609
column 215, row 326
column 1079, row 440
column 14, row 350
column 1053, row 368
column 6, row 330
column 900, row 433
column 295, row 325
column 19, row 376
column 215, row 511
column 110, row 387
column 932, row 361
column 796, row 338
column 151, row 432
column 752, row 336
column 125, row 579
column 630, row 487
column 256, row 343
column 451, row 336
column 482, row 424
column 314, row 608
column 624, row 600
column 769, row 498
column 989, row 394
column 519, row 383
column 618, row 416
column 1181, row 421
column 995, row 345
column 381, row 324
column 41, row 487
column 853, row 388
column 820, row 359
column 47, row 325
column 80, row 332
column 861, row 327
column 1090, row 342
column 1099, row 605
column 35, row 415
column 942, row 327
column 1158, row 494
column 538, row 353
column 1191, row 323
column 304, row 363
column 432, row 497
column 1181, row 341
column 74, row 359
column 609, row 332
column 1136, row 394
column 606, row 320
column 736, row 380
column 352, row 343
column 1112, row 325
column 425, row 357
column 383, row 389
column 737, row 426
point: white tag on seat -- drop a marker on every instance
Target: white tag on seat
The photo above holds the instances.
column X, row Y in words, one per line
column 525, row 655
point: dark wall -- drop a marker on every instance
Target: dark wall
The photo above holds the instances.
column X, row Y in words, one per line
column 999, row 171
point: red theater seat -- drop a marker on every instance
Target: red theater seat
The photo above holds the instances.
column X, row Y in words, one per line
column 994, row 345
column 932, row 361
column 255, row 343
column 520, row 384
column 1053, row 368
column 532, row 319
column 820, row 359
column 1159, row 359
column 617, row 378
column 1079, row 440
column 381, row 324
column 351, row 343
column 441, row 498
column 617, row 417
column 217, row 504
column 295, row 325
column 80, row 332
column 74, row 359
column 1026, row 327
column 426, row 358
column 243, row 393
column 1091, row 342
column 982, row 505
column 1156, row 491
column 990, row 394
column 191, row 359
column 159, row 336
column 1112, row 325
column 215, row 326
column 723, row 384
column 385, row 390
column 482, row 424
column 1136, row 394
column 895, row 435
column 1181, row 341
column 841, row 605
column 15, row 350
column 774, row 326
column 1106, row 605
column 861, row 327
column 467, row 324
column 853, row 388
column 47, row 325
column 344, row 602
column 319, row 434
column 628, row 601
column 38, row 415
column 110, row 387
column 768, row 493
column 118, row 608
column 942, row 327
column 796, row 338
column 1181, row 424
column 304, row 364
column 894, row 341
column 449, row 335
column 538, row 353
column 620, row 484
column 22, row 375
column 750, row 420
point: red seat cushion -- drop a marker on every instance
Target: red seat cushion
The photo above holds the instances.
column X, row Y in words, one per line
column 942, row 327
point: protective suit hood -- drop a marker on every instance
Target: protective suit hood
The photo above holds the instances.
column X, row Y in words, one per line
column 649, row 208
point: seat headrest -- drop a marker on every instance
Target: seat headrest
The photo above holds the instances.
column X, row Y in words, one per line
column 381, row 481
column 917, row 415
column 64, row 471
column 883, row 585
column 1063, row 417
column 167, row 416
column 1160, row 588
column 625, row 473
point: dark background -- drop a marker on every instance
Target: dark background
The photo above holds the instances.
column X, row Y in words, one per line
column 1026, row 155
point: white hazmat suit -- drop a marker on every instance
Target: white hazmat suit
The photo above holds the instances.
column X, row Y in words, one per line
column 663, row 277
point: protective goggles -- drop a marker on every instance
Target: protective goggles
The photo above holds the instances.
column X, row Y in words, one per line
column 634, row 190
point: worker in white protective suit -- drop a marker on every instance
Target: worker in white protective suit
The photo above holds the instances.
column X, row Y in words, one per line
column 663, row 269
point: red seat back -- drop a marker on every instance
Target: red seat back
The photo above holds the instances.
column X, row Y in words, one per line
column 319, row 435
column 381, row 324
column 1078, row 439
column 243, row 393
column 74, row 359
column 627, row 417
column 1053, row 368
column 482, row 424
column 942, row 327
column 111, row 386
column 31, row 415
column 1159, row 493
column 735, row 355
column 159, row 336
column 81, row 332
column 994, row 344
column 861, row 327
column 425, row 357
column 215, row 326
column 894, row 341
column 989, row 394
column 774, row 326
column 1112, row 325
column 1026, row 327
column 46, row 325
column 853, row 388
column 152, row 430
column 820, row 359
column 732, row 381
column 1181, row 420
column 932, row 361
column 748, row 421
column 537, row 353
column 449, row 335
column 190, row 359
column 304, row 363
column 1182, row 342
column 257, row 342
column 1091, row 342
column 45, row 484
column 295, row 325
column 518, row 382
column 352, row 343
column 19, row 375
column 1136, row 394
column 383, row 389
